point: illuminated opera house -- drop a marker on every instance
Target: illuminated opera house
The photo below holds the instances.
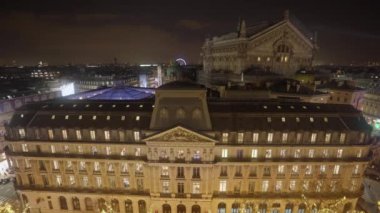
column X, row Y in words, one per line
column 176, row 150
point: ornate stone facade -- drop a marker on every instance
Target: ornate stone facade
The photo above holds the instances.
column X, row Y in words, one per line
column 282, row 47
column 196, row 155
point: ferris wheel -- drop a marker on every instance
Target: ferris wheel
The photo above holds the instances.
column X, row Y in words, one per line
column 181, row 61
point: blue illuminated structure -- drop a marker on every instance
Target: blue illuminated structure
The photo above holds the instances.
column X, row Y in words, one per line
column 115, row 93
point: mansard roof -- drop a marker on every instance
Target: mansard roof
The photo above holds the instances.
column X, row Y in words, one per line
column 232, row 115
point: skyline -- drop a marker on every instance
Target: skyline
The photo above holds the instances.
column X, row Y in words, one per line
column 149, row 32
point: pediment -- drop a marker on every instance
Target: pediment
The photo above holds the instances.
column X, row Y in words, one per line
column 283, row 30
column 179, row 134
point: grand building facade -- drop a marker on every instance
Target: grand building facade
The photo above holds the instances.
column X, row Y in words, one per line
column 282, row 47
column 182, row 152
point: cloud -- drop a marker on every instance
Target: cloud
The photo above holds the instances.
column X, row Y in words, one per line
column 191, row 24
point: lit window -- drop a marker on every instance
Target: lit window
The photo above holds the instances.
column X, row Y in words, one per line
column 27, row 164
column 283, row 153
column 55, row 165
column 265, row 186
column 342, row 137
column 124, row 167
column 295, row 169
column 292, row 185
column 107, row 135
column 164, row 171
column 322, row 169
column 359, row 154
column 196, row 188
column 268, row 153
column 137, row 118
column 297, row 153
column 270, row 137
column 137, row 152
column 64, row 134
column 269, row 119
column 79, row 135
column 136, row 135
column 80, row 117
column 110, row 167
column 311, row 153
column 53, row 117
column 58, row 178
column 127, row 105
column 255, row 137
column 283, row 119
column 126, row 183
column 82, row 165
column 336, row 169
column 108, row 150
column 92, row 135
column 96, row 166
column 21, row 132
column 225, row 137
column 50, row 134
column 24, row 147
column 66, row 117
column 284, row 137
column 222, row 186
column 108, row 117
column 224, row 153
column 123, row 152
column 297, row 119
column 308, row 169
column 123, row 117
column 254, row 153
column 72, row 180
column 278, row 185
column 240, row 137
column 339, row 153
column 327, row 137
column 281, row 169
column 325, row 153
column 268, row 59
column 313, row 137
column 326, row 119
column 52, row 148
column 94, row 117
column 165, row 186
column 259, row 59
column 356, row 169
column 98, row 181
column 100, row 105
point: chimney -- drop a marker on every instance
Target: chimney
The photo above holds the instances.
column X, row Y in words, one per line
column 242, row 30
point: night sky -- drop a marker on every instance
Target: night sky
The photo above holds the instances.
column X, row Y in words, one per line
column 81, row 31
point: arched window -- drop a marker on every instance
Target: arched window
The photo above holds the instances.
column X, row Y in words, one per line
column 115, row 205
column 276, row 208
column 289, row 208
column 128, row 206
column 166, row 208
column 181, row 208
column 235, row 207
column 195, row 209
column 263, row 208
column 102, row 204
column 302, row 208
column 88, row 203
column 180, row 114
column 282, row 48
column 221, row 208
column 164, row 114
column 76, row 203
column 197, row 114
column 63, row 203
column 142, row 206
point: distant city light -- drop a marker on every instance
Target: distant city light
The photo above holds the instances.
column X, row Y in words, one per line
column 67, row 89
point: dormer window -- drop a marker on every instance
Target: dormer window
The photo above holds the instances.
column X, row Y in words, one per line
column 283, row 119
column 113, row 106
column 127, row 106
column 21, row 133
column 123, row 117
column 269, row 119
column 137, row 118
column 66, row 117
column 21, row 115
column 297, row 119
column 108, row 117
column 311, row 119
column 80, row 117
column 326, row 119
column 53, row 117
column 141, row 106
column 94, row 117
column 100, row 105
